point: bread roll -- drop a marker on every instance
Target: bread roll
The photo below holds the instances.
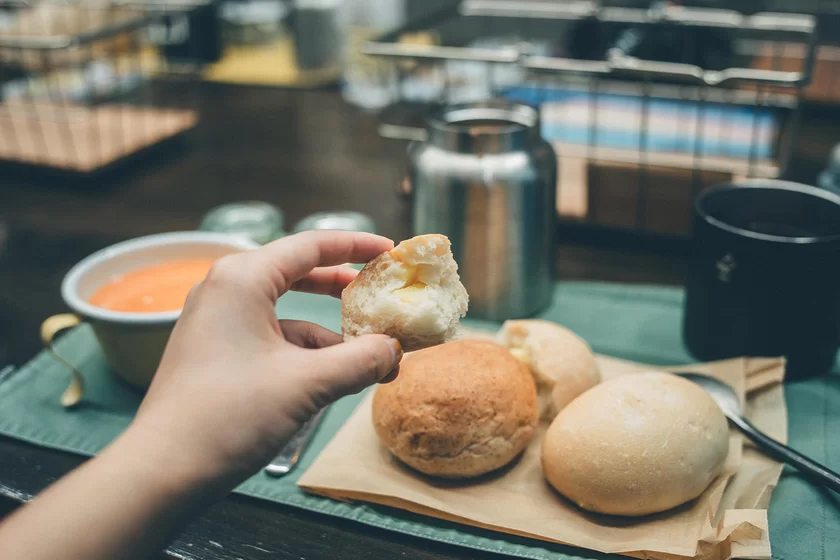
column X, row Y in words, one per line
column 411, row 293
column 457, row 410
column 562, row 363
column 635, row 445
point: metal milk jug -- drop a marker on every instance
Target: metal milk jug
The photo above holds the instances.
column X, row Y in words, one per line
column 484, row 177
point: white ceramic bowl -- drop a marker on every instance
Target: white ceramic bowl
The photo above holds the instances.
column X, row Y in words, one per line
column 133, row 343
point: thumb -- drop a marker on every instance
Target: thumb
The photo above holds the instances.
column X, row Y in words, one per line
column 352, row 366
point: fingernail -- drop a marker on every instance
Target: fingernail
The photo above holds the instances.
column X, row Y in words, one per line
column 391, row 376
column 396, row 349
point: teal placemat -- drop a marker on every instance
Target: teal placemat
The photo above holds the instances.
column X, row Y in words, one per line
column 639, row 323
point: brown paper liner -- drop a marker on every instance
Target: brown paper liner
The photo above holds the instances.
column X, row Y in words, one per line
column 729, row 520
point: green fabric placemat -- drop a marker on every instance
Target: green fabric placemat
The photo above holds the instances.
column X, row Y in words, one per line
column 639, row 323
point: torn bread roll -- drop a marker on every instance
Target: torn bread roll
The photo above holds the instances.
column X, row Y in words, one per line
column 457, row 410
column 562, row 363
column 411, row 293
column 636, row 445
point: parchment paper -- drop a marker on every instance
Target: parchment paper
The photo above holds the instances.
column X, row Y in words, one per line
column 728, row 521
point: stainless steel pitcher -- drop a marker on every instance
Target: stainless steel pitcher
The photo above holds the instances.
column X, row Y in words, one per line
column 485, row 178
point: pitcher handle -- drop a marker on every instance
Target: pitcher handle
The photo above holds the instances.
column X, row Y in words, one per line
column 49, row 329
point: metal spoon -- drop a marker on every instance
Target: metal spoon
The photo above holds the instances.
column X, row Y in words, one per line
column 726, row 399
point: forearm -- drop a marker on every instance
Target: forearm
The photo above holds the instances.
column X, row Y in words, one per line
column 126, row 503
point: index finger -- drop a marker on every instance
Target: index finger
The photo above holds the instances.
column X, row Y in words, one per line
column 289, row 259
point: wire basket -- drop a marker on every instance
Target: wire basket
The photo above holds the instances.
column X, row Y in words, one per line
column 83, row 84
column 644, row 105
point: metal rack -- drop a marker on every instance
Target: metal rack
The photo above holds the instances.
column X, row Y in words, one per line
column 645, row 105
column 83, row 82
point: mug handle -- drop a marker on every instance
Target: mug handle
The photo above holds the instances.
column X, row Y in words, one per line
column 49, row 329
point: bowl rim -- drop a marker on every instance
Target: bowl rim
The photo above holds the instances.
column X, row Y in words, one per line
column 70, row 283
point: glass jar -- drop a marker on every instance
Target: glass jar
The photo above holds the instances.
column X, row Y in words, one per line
column 258, row 221
column 345, row 221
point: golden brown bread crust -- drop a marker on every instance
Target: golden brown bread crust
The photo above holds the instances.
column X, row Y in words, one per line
column 369, row 272
column 457, row 410
column 402, row 251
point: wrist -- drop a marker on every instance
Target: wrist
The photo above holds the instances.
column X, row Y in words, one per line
column 165, row 468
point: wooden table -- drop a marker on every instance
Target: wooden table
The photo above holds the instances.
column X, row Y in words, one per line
column 304, row 151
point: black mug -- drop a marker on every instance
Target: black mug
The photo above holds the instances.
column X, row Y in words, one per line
column 764, row 278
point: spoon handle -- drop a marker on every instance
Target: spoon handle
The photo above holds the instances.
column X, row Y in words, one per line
column 784, row 453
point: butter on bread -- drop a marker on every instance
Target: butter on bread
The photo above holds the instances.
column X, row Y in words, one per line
column 412, row 293
column 561, row 362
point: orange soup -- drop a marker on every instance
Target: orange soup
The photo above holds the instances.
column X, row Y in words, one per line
column 152, row 289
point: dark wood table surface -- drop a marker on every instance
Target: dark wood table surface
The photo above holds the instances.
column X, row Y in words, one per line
column 304, row 151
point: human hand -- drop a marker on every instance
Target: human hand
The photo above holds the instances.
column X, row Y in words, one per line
column 233, row 386
column 235, row 383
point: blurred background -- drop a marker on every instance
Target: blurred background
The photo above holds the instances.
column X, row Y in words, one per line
column 130, row 117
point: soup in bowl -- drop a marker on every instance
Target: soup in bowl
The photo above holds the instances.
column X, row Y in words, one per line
column 132, row 293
